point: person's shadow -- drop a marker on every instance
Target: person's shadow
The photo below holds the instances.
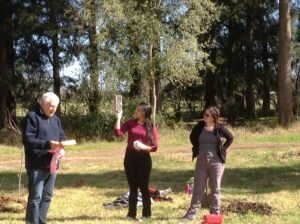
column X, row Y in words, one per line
column 254, row 180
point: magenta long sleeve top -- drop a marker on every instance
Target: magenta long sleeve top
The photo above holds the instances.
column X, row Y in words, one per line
column 137, row 131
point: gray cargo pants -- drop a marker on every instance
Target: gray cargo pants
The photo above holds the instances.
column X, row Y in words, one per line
column 213, row 170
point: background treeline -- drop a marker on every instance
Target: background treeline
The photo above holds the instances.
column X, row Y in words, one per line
column 180, row 55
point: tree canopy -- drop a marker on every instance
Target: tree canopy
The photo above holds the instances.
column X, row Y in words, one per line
column 179, row 55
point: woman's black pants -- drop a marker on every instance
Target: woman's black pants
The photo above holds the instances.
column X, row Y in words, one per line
column 138, row 166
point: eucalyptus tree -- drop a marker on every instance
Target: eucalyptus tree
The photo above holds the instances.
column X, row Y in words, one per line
column 285, row 102
column 154, row 43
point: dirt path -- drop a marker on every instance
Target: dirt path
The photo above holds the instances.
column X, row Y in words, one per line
column 84, row 156
column 107, row 155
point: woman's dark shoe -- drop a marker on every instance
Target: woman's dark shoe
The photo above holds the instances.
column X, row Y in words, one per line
column 188, row 219
column 129, row 218
column 144, row 219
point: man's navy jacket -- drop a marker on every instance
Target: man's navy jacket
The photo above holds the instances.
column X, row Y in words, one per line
column 37, row 131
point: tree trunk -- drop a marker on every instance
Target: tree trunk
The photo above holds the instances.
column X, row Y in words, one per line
column 153, row 96
column 157, row 80
column 285, row 101
column 137, row 82
column 250, row 73
column 5, row 72
column 55, row 49
column 227, row 94
column 210, row 90
column 266, row 80
column 210, row 96
column 11, row 100
column 135, row 87
column 158, row 91
column 56, row 67
column 93, row 57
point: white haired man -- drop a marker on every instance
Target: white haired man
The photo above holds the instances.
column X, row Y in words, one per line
column 42, row 135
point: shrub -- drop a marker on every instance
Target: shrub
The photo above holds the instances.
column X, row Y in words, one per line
column 98, row 126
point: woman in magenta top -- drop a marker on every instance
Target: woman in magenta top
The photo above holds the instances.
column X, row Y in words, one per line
column 142, row 139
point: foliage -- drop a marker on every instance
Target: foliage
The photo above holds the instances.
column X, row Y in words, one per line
column 179, row 55
column 90, row 126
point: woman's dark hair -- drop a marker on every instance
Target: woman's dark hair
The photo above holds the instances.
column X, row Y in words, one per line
column 147, row 109
column 215, row 112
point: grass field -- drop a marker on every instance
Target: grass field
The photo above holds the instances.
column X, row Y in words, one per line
column 263, row 166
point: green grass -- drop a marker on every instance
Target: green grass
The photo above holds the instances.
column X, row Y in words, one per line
column 255, row 171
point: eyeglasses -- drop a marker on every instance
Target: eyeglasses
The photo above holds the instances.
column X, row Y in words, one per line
column 206, row 115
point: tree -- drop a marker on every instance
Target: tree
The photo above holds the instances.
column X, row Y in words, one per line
column 219, row 51
column 95, row 48
column 285, row 101
column 243, row 58
column 6, row 11
column 268, row 42
column 296, row 59
column 250, row 70
column 53, row 33
column 93, row 54
column 43, row 37
column 153, row 43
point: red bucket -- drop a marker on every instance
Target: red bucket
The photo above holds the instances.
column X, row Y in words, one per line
column 213, row 219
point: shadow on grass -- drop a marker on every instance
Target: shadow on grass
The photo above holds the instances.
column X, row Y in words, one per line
column 255, row 180
column 68, row 219
column 94, row 218
column 86, row 218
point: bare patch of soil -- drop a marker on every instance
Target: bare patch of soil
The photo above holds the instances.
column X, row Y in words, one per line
column 243, row 207
column 9, row 204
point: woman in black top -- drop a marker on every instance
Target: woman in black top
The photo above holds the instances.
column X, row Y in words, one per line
column 206, row 138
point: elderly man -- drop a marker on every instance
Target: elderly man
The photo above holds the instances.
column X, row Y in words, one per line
column 42, row 136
